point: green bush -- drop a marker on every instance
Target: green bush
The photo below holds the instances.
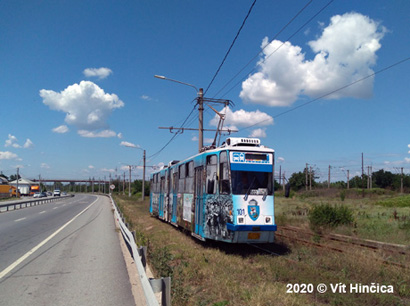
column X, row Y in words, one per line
column 325, row 215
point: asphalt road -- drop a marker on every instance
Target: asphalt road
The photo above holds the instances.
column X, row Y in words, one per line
column 63, row 253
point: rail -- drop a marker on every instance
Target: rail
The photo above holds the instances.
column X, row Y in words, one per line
column 149, row 286
column 28, row 203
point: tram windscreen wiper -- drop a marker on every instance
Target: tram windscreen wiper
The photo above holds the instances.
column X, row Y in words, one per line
column 250, row 186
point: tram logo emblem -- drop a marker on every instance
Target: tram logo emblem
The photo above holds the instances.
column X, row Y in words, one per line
column 253, row 212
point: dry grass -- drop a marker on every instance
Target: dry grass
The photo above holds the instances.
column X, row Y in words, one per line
column 221, row 274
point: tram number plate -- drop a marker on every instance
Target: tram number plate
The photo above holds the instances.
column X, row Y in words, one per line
column 254, row 235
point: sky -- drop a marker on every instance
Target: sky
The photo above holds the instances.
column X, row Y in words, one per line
column 321, row 82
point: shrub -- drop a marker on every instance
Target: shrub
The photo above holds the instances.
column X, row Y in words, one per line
column 325, row 215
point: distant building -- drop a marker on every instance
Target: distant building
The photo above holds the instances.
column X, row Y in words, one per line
column 24, row 185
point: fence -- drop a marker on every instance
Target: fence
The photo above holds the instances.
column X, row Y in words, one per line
column 28, row 203
column 149, row 286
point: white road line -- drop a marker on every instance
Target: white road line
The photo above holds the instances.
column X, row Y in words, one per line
column 55, row 207
column 21, row 219
column 25, row 256
column 42, row 212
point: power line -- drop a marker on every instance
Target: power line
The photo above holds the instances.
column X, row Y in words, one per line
column 229, row 50
column 173, row 137
column 332, row 92
column 276, row 35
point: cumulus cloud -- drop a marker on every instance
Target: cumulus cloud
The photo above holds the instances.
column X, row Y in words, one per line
column 258, row 133
column 128, row 144
column 344, row 53
column 99, row 134
column 8, row 155
column 86, row 105
column 242, row 118
column 281, row 160
column 100, row 73
column 28, row 144
column 61, row 129
column 13, row 142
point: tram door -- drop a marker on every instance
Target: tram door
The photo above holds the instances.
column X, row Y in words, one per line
column 161, row 197
column 199, row 192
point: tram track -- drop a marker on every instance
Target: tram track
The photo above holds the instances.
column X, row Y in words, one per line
column 344, row 244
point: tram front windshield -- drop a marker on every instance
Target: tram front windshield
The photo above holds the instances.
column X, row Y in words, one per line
column 252, row 183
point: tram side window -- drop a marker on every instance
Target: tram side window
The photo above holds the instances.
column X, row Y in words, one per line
column 211, row 162
column 182, row 175
column 189, row 187
column 175, row 181
column 224, row 185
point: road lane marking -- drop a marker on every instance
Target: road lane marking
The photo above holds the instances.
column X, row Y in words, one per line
column 21, row 219
column 25, row 256
column 42, row 212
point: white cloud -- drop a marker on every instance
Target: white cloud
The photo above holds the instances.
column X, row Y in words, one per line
column 119, row 135
column 108, row 170
column 61, row 129
column 344, row 54
column 86, row 105
column 259, row 133
column 128, row 144
column 407, row 160
column 100, row 73
column 242, row 118
column 8, row 155
column 146, row 98
column 28, row 144
column 90, row 167
column 281, row 160
column 12, row 142
column 409, row 147
column 94, row 134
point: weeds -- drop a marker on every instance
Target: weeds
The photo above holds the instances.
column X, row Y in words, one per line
column 325, row 215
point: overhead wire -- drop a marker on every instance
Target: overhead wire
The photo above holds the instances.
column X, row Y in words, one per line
column 230, row 48
column 330, row 93
column 275, row 36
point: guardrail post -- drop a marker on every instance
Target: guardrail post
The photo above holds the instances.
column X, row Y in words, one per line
column 142, row 251
column 162, row 285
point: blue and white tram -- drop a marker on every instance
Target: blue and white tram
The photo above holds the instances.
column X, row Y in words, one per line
column 223, row 194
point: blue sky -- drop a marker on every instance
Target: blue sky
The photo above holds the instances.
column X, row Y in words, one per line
column 77, row 83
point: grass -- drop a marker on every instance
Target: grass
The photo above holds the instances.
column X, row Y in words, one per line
column 222, row 274
column 381, row 216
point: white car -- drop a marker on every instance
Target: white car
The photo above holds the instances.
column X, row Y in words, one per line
column 57, row 193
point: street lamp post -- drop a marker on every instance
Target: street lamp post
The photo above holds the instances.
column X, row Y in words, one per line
column 200, row 99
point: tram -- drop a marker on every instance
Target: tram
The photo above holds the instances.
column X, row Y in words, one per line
column 224, row 194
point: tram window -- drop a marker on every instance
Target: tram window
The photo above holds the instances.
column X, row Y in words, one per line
column 211, row 176
column 224, row 186
column 189, row 187
column 257, row 183
column 182, row 175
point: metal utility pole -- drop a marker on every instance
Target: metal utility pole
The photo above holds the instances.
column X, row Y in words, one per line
column 328, row 179
column 200, row 101
column 201, row 119
column 310, row 178
column 306, row 181
column 17, row 184
column 129, row 182
column 143, row 178
column 401, row 181
column 348, row 179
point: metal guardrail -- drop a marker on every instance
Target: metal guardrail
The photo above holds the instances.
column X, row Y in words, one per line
column 29, row 203
column 150, row 286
